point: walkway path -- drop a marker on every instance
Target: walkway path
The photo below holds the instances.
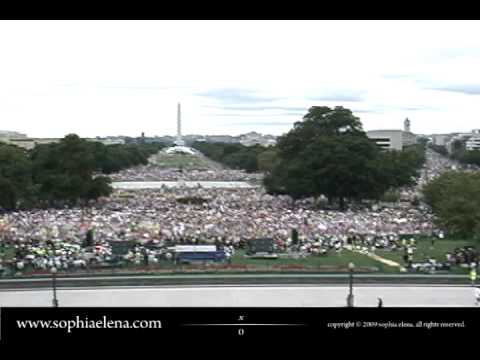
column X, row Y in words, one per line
column 375, row 257
column 248, row 296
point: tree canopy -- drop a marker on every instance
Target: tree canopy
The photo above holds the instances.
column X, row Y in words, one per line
column 234, row 155
column 329, row 154
column 63, row 172
column 15, row 177
column 454, row 198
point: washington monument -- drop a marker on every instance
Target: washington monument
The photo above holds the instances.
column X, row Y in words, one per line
column 179, row 144
column 179, row 141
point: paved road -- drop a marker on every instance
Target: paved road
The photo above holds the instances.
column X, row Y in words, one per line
column 245, row 296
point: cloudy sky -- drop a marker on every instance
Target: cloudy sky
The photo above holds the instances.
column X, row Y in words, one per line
column 98, row 78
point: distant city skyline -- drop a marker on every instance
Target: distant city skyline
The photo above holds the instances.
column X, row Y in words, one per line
column 122, row 78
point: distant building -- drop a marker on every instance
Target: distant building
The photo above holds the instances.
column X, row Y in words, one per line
column 470, row 141
column 254, row 138
column 5, row 134
column 473, row 143
column 27, row 143
column 457, row 137
column 440, row 139
column 24, row 143
column 248, row 139
column 109, row 140
column 15, row 138
column 251, row 138
column 164, row 139
column 222, row 138
column 392, row 139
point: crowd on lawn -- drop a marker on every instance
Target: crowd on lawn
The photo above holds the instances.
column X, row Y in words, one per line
column 152, row 172
column 230, row 217
column 157, row 219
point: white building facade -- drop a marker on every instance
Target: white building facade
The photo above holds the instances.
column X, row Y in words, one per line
column 473, row 143
column 392, row 139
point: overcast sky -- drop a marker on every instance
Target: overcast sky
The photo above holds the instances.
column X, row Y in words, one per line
column 98, row 78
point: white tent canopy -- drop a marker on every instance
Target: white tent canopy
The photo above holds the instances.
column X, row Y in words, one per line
column 180, row 150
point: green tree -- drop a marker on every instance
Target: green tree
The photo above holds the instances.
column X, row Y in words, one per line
column 290, row 178
column 454, row 198
column 267, row 159
column 16, row 187
column 235, row 156
column 327, row 153
column 8, row 194
column 401, row 168
column 470, row 157
column 458, row 149
column 64, row 171
column 100, row 186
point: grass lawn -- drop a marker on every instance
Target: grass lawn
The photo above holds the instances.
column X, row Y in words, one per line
column 425, row 249
column 8, row 254
column 330, row 263
column 186, row 161
column 340, row 260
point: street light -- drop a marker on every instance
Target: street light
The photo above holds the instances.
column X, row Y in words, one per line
column 54, row 285
column 351, row 266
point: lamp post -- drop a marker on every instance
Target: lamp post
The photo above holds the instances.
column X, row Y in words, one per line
column 54, row 285
column 351, row 266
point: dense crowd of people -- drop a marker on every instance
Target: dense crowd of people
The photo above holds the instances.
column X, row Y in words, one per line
column 226, row 216
column 435, row 165
column 467, row 257
column 157, row 219
column 154, row 173
column 463, row 255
